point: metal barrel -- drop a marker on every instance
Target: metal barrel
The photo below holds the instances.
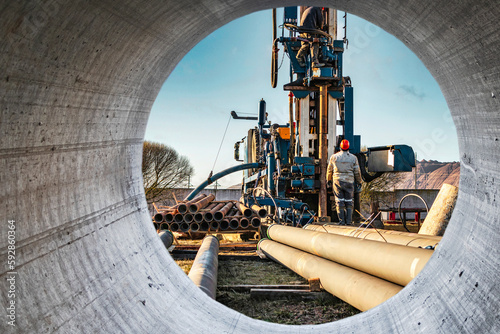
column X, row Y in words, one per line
column 259, row 211
column 255, row 222
column 174, row 227
column 395, row 263
column 361, row 290
column 203, row 273
column 219, row 215
column 166, row 237
column 194, row 207
column 244, row 223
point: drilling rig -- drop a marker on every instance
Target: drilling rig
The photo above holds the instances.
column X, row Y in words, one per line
column 293, row 157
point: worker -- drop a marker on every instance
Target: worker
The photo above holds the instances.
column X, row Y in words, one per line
column 311, row 18
column 343, row 171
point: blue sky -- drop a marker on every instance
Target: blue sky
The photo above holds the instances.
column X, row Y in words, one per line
column 396, row 99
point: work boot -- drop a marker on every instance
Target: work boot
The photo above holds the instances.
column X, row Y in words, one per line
column 341, row 214
column 301, row 61
column 301, row 55
column 348, row 218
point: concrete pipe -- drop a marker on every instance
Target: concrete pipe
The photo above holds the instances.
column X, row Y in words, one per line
column 166, row 237
column 198, row 205
column 378, row 235
column 78, row 79
column 436, row 221
column 394, row 263
column 361, row 290
column 203, row 273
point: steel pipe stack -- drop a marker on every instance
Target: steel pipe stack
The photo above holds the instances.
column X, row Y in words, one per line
column 204, row 214
column 203, row 273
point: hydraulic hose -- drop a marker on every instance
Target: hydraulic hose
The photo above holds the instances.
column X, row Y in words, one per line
column 274, row 56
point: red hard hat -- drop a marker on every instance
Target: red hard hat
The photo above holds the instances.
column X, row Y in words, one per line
column 344, row 144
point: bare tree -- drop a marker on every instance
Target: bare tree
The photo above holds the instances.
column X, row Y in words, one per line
column 162, row 169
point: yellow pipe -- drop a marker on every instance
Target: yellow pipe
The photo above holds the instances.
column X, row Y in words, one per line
column 361, row 290
column 409, row 239
column 394, row 263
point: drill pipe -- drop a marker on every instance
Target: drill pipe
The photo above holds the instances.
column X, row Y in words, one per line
column 203, row 273
column 244, row 223
column 214, row 225
column 178, row 218
column 194, row 226
column 204, row 226
column 234, row 222
column 198, row 205
column 224, row 224
column 184, row 227
column 166, row 237
column 259, row 211
column 219, row 215
column 164, row 226
column 188, row 218
column 209, row 216
column 158, row 218
column 245, row 210
column 255, row 222
column 183, row 207
column 371, row 234
column 198, row 217
column 169, row 217
column 394, row 263
column 174, row 227
column 361, row 290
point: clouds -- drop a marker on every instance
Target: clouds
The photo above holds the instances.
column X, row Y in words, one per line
column 406, row 90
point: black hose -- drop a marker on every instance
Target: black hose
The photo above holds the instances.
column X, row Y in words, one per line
column 302, row 30
column 403, row 217
column 367, row 177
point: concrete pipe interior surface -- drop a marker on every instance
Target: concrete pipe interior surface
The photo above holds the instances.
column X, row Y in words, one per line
column 78, row 79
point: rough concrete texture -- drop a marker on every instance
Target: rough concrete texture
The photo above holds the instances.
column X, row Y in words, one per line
column 78, row 79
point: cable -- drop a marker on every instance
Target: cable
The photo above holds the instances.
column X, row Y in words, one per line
column 403, row 218
column 224, row 136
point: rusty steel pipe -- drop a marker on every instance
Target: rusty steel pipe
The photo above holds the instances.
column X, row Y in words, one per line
column 184, row 227
column 158, row 218
column 166, row 237
column 394, row 263
column 198, row 217
column 204, row 226
column 164, row 226
column 219, row 215
column 178, row 218
column 194, row 226
column 259, row 211
column 169, row 217
column 224, row 224
column 183, row 207
column 203, row 273
column 198, row 205
column 174, row 227
column 413, row 240
column 244, row 223
column 361, row 290
column 209, row 216
column 188, row 218
column 214, row 225
column 255, row 222
column 234, row 222
column 245, row 210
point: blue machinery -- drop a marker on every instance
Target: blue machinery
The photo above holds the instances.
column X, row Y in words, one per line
column 292, row 159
